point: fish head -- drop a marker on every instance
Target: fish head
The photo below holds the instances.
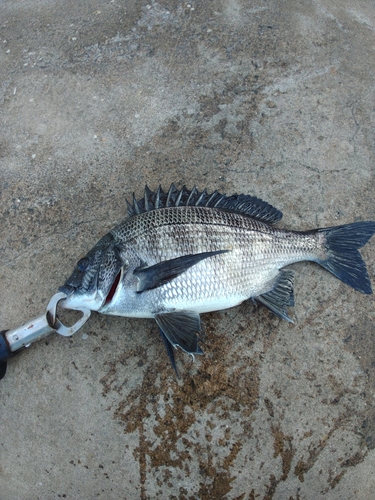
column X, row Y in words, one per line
column 95, row 276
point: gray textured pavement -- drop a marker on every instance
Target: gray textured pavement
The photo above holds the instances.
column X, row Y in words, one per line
column 270, row 98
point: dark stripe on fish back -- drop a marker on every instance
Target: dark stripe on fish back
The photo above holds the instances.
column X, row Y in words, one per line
column 144, row 222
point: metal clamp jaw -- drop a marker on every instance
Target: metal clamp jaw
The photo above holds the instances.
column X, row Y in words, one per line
column 37, row 328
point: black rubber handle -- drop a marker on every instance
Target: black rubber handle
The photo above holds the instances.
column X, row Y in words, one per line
column 5, row 353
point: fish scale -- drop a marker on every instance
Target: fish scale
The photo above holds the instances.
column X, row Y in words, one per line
column 182, row 252
column 191, row 230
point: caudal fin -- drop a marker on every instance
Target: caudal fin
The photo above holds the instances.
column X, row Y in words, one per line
column 343, row 259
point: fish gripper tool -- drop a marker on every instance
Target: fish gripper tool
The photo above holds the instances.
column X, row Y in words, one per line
column 13, row 341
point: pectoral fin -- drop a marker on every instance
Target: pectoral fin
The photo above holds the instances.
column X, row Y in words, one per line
column 281, row 296
column 160, row 274
column 180, row 329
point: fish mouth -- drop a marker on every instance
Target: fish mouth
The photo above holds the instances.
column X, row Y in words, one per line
column 93, row 301
column 68, row 290
column 113, row 289
column 75, row 298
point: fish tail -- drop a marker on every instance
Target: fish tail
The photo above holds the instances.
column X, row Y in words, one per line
column 342, row 257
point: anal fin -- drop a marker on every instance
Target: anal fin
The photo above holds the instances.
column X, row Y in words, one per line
column 180, row 329
column 281, row 296
column 170, row 352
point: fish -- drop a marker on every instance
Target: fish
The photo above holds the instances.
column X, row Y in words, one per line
column 184, row 252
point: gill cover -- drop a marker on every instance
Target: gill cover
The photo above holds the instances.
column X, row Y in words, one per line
column 94, row 275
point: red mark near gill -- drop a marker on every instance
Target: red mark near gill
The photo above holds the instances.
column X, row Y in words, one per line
column 113, row 288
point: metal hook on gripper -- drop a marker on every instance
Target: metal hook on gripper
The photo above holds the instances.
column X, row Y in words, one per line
column 12, row 341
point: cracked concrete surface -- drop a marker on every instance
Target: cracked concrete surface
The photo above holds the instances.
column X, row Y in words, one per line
column 274, row 99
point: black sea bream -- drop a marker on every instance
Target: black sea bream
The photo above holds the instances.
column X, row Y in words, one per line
column 181, row 253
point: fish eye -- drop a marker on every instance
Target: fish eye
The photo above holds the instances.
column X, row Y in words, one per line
column 83, row 264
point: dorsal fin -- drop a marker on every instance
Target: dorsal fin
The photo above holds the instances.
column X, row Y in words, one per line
column 240, row 203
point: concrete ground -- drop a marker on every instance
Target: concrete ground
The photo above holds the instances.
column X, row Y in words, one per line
column 270, row 98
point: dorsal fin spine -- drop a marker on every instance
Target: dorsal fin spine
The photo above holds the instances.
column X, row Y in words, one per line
column 201, row 198
column 211, row 198
column 157, row 199
column 179, row 197
column 239, row 203
column 191, row 195
column 135, row 205
column 219, row 200
column 130, row 208
column 148, row 199
column 171, row 197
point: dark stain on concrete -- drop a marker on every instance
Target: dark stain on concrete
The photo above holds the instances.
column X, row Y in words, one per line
column 215, row 388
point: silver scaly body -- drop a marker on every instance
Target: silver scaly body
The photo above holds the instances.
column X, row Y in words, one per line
column 256, row 253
